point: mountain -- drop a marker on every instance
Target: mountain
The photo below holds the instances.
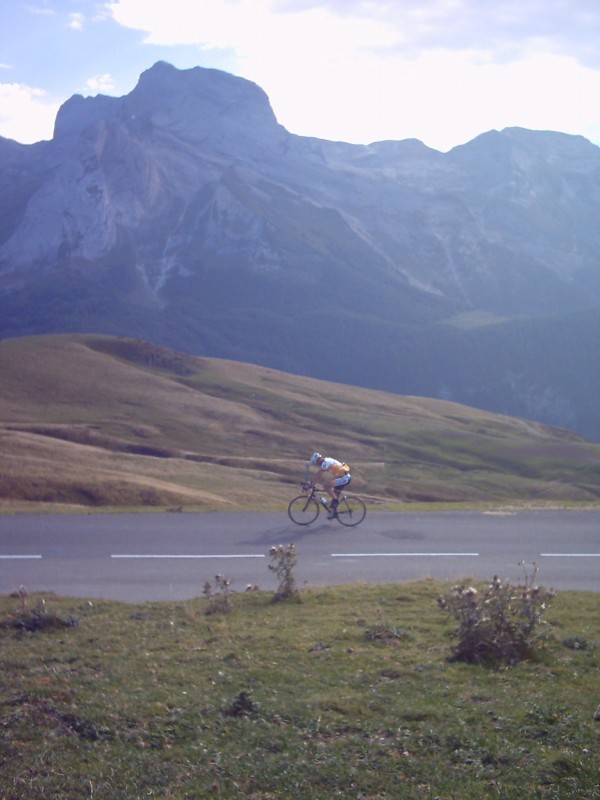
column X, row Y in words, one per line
column 102, row 421
column 184, row 214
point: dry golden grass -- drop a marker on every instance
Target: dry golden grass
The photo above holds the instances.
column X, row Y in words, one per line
column 47, row 470
column 99, row 421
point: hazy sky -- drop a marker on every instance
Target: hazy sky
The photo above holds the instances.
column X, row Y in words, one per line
column 442, row 71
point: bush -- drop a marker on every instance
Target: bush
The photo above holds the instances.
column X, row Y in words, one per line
column 218, row 595
column 498, row 625
column 242, row 706
column 283, row 560
column 38, row 619
column 380, row 632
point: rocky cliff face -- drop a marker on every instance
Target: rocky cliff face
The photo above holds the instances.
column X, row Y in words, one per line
column 184, row 213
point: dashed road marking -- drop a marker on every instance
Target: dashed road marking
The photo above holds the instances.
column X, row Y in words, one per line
column 18, row 556
column 177, row 555
column 570, row 555
column 401, row 555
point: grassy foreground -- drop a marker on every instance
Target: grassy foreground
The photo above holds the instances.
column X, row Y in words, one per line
column 349, row 693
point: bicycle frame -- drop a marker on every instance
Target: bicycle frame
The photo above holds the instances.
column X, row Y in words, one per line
column 318, row 494
column 304, row 509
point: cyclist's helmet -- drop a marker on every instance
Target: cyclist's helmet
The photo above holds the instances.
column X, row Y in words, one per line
column 315, row 457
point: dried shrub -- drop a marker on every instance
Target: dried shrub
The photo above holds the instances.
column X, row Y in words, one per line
column 37, row 619
column 241, row 706
column 218, row 595
column 499, row 624
column 387, row 634
column 577, row 643
column 283, row 560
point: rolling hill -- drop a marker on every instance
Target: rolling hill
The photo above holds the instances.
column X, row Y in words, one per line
column 99, row 421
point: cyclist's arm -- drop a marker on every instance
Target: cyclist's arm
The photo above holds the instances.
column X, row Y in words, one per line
column 324, row 477
column 318, row 476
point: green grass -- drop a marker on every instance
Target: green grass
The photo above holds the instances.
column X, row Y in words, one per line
column 348, row 693
column 100, row 422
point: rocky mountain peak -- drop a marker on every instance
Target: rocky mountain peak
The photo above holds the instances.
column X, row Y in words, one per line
column 202, row 105
column 78, row 113
column 197, row 105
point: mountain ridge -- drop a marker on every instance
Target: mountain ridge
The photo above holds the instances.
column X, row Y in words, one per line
column 185, row 214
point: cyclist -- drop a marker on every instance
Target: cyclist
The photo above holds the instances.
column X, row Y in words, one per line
column 333, row 475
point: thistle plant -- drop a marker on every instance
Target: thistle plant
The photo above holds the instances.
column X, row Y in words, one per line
column 218, row 595
column 498, row 624
column 283, row 560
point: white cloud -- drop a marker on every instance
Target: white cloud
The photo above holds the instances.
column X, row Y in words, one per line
column 442, row 71
column 101, row 84
column 24, row 110
column 362, row 70
column 41, row 10
column 249, row 26
column 505, row 29
column 76, row 21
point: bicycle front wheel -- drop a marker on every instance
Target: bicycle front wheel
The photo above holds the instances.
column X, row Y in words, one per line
column 351, row 511
column 303, row 510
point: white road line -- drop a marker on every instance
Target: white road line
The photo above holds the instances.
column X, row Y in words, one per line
column 400, row 555
column 17, row 556
column 570, row 555
column 145, row 555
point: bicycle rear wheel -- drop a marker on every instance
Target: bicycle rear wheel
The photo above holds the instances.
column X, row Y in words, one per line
column 351, row 511
column 303, row 510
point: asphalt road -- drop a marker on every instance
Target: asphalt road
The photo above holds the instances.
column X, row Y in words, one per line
column 169, row 556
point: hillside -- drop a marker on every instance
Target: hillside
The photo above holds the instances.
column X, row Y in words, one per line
column 106, row 422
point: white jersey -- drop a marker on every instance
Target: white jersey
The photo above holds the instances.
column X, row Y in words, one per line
column 336, row 468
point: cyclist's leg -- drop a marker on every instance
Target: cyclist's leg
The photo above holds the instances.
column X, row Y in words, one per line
column 338, row 485
column 329, row 489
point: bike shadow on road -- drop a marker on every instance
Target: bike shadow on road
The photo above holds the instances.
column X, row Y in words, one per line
column 290, row 534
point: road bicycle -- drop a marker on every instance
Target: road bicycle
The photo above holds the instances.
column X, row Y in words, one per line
column 305, row 508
